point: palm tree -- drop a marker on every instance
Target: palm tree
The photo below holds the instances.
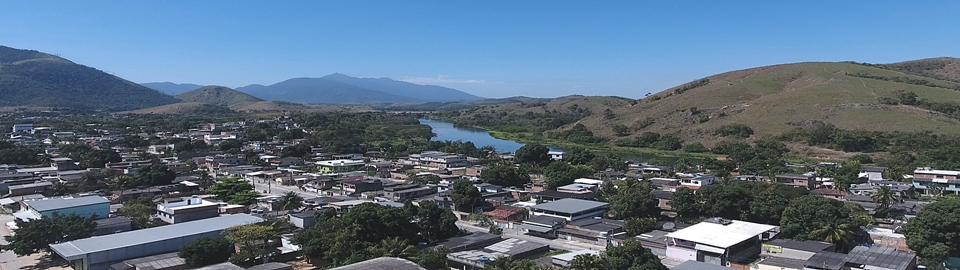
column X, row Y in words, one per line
column 885, row 197
column 841, row 234
column 290, row 200
column 204, row 179
column 395, row 247
column 120, row 183
column 59, row 189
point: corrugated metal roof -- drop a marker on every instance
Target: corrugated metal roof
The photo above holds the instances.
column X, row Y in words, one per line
column 78, row 248
column 61, row 203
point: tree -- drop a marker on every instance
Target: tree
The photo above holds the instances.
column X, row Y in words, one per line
column 342, row 240
column 587, row 262
column 252, row 242
column 37, row 235
column 631, row 255
column 686, row 203
column 505, row 174
column 204, row 179
column 466, row 197
column 122, row 182
column 205, row 251
column 233, row 190
column 290, row 200
column 155, row 175
column 818, row 218
column 884, row 198
column 58, row 189
column 935, row 232
column 141, row 211
column 532, row 153
column 634, row 199
column 494, row 229
column 637, row 226
column 230, row 146
column 578, row 156
column 433, row 258
column 394, row 247
column 435, row 223
column 560, row 173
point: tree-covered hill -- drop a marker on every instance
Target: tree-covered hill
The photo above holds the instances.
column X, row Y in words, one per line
column 36, row 79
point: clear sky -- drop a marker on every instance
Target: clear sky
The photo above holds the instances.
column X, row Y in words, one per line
column 488, row 48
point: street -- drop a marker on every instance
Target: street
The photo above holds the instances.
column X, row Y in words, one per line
column 276, row 189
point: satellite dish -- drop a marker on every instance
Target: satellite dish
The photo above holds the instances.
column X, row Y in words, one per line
column 669, row 226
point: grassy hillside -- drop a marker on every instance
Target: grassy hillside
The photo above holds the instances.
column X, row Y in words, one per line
column 775, row 99
column 944, row 68
column 535, row 116
column 31, row 78
column 220, row 96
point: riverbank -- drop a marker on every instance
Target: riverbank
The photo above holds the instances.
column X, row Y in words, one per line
column 601, row 148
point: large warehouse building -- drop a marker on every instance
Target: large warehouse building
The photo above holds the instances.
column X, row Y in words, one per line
column 98, row 252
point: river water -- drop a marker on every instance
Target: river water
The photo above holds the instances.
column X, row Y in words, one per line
column 447, row 132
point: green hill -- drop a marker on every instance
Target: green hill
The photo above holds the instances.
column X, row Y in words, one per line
column 219, row 95
column 35, row 79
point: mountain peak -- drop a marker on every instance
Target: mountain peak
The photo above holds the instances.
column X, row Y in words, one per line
column 220, row 96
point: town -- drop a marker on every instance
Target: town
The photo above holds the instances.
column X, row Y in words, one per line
column 256, row 194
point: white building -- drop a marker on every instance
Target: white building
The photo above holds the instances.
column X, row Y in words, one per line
column 720, row 242
column 556, row 155
column 23, row 128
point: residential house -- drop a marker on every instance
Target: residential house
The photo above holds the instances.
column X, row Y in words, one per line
column 189, row 209
column 928, row 181
column 792, row 249
column 577, row 188
column 339, row 165
column 696, row 265
column 161, row 149
column 504, row 214
column 474, row 240
column 797, row 180
column 26, row 189
column 564, row 259
column 553, row 195
column 570, row 209
column 402, row 193
column 555, row 155
column 829, row 193
column 872, row 173
column 286, row 162
column 697, row 181
column 351, row 187
column 663, row 199
column 720, row 242
column 595, row 230
column 543, row 226
column 440, row 160
column 509, row 248
column 304, row 219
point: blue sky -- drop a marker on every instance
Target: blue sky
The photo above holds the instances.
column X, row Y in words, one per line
column 487, row 48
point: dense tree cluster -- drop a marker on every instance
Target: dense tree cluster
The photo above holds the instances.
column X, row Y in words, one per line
column 371, row 230
column 560, row 173
column 667, row 142
column 821, row 219
column 760, row 202
column 632, row 199
column 466, row 197
column 630, row 255
column 577, row 134
column 505, row 175
column 11, row 154
column 935, row 232
column 234, row 191
column 206, row 251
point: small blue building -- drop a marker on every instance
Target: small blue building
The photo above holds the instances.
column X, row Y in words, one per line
column 82, row 206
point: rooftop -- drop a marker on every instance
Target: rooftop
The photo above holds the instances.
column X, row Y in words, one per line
column 79, row 248
column 162, row 261
column 695, row 265
column 384, row 263
column 722, row 235
column 185, row 204
column 827, row 260
column 570, row 255
column 56, row 203
column 457, row 243
column 784, row 262
column 812, row 246
column 881, row 256
column 569, row 205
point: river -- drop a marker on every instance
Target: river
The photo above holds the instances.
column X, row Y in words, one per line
column 445, row 131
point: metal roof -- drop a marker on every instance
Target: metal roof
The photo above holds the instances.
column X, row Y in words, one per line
column 812, row 246
column 722, row 235
column 826, row 260
column 570, row 205
column 78, row 248
column 385, row 263
column 695, row 265
column 881, row 256
column 57, row 203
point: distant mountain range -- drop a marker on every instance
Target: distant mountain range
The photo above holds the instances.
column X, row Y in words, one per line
column 338, row 89
column 35, row 79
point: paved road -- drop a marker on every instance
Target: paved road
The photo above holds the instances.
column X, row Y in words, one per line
column 553, row 243
column 280, row 189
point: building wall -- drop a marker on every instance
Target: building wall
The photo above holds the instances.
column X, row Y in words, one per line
column 681, row 254
column 777, row 251
column 211, row 212
column 102, row 210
